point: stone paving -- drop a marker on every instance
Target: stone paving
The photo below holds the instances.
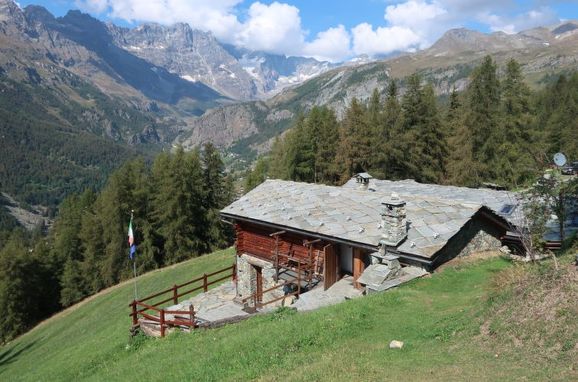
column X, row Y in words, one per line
column 215, row 305
column 316, row 298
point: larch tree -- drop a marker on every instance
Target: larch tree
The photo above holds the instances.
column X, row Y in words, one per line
column 354, row 154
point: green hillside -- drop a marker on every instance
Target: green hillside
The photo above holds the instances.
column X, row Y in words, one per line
column 442, row 320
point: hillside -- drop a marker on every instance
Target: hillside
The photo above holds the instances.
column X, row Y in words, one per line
column 79, row 96
column 442, row 320
column 542, row 52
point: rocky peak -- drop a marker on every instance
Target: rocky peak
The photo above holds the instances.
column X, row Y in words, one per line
column 39, row 15
column 11, row 14
column 459, row 39
column 565, row 28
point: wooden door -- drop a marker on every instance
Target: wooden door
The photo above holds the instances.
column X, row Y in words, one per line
column 358, row 266
column 330, row 268
column 259, row 281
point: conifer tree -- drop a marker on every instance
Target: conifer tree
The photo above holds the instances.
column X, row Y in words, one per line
column 354, row 151
column 327, row 143
column 459, row 143
column 404, row 153
column 431, row 141
column 482, row 120
column 513, row 162
column 216, row 194
column 277, row 165
column 382, row 152
column 178, row 209
column 24, row 286
column 257, row 175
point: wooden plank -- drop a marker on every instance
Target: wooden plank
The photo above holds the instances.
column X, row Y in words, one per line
column 259, row 283
column 358, row 266
column 330, row 268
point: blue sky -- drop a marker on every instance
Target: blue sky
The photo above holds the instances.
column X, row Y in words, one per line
column 332, row 30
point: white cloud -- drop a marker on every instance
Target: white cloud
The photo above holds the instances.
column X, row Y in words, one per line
column 413, row 14
column 93, row 6
column 513, row 24
column 330, row 45
column 382, row 40
column 273, row 28
column 411, row 24
column 216, row 16
column 277, row 28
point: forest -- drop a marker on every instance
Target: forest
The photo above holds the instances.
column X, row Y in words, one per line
column 497, row 130
column 175, row 203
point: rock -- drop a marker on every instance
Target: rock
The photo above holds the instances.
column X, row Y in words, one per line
column 289, row 300
column 504, row 249
column 395, row 344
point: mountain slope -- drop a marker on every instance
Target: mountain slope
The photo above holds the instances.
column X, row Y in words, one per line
column 447, row 64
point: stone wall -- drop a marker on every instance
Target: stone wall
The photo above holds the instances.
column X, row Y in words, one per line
column 478, row 235
column 247, row 278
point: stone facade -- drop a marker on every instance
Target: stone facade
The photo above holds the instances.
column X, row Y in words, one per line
column 247, row 278
column 478, row 235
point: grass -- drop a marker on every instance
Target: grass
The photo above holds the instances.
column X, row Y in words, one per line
column 93, row 334
column 438, row 318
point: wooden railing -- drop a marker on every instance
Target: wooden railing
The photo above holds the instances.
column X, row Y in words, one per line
column 257, row 297
column 143, row 308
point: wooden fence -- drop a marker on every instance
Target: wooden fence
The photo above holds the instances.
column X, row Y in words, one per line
column 143, row 308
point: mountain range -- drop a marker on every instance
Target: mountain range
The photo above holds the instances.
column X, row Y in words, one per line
column 74, row 81
column 250, row 126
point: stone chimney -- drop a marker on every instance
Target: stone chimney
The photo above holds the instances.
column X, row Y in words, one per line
column 362, row 180
column 393, row 221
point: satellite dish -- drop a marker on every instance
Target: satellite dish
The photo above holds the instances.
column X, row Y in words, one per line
column 560, row 159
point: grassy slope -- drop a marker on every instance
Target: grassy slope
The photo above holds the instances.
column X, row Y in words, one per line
column 82, row 340
column 438, row 318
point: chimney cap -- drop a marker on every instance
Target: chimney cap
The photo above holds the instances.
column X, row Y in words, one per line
column 393, row 200
column 363, row 177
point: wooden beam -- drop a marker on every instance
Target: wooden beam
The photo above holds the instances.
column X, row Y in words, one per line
column 309, row 242
column 277, row 233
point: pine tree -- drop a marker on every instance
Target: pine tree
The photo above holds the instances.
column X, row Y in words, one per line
column 216, row 195
column 382, row 163
column 177, row 208
column 354, row 153
column 257, row 175
column 404, row 153
column 26, row 286
column 482, row 120
column 459, row 143
column 278, row 167
column 327, row 143
column 513, row 163
column 431, row 141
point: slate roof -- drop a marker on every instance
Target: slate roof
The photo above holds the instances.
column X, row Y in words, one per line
column 504, row 203
column 351, row 215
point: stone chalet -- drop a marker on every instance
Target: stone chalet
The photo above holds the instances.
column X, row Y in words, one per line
column 367, row 230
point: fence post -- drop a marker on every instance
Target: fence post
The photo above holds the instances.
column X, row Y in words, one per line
column 234, row 271
column 192, row 316
column 298, row 277
column 162, row 319
column 205, row 286
column 175, row 295
column 134, row 313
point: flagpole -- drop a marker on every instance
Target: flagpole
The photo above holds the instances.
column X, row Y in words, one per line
column 134, row 263
column 134, row 270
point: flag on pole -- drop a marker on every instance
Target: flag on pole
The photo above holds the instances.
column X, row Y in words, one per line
column 131, row 243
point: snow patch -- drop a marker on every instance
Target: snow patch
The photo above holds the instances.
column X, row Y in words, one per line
column 188, row 78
